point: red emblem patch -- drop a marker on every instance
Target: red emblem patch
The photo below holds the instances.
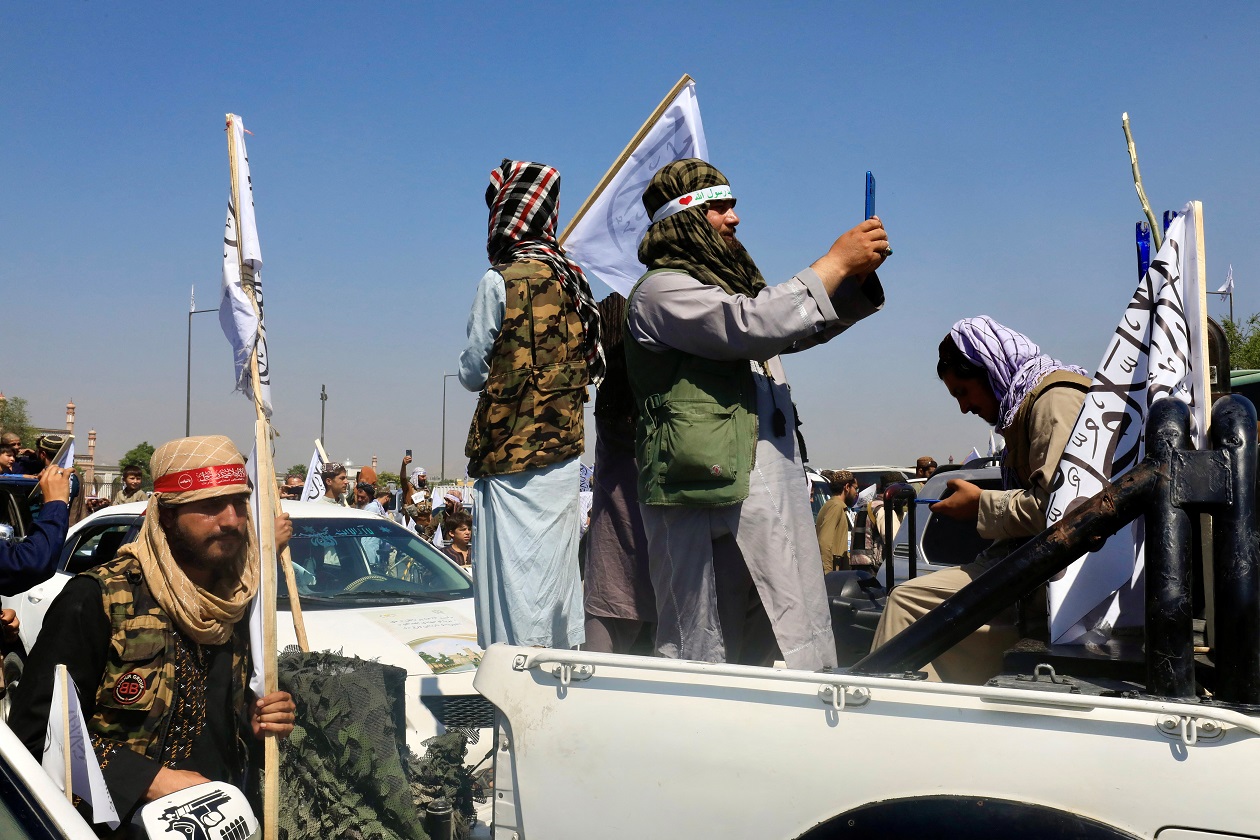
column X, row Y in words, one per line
column 685, row 200
column 716, row 470
column 129, row 688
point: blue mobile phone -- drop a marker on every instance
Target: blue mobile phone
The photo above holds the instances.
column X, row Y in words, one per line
column 870, row 194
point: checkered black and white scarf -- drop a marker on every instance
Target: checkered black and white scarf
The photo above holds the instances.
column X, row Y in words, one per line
column 524, row 202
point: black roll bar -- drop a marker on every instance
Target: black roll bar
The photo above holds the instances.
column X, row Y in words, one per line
column 1170, row 486
column 896, row 496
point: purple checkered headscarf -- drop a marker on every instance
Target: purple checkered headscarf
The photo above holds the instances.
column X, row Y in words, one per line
column 1015, row 365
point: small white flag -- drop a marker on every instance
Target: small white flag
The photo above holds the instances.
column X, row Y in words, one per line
column 1228, row 289
column 606, row 239
column 66, row 459
column 1154, row 354
column 974, row 456
column 242, row 266
column 67, row 731
column 313, row 489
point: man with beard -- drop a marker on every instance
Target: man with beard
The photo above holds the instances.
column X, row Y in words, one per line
column 834, row 521
column 533, row 347
column 1032, row 400
column 157, row 642
column 731, row 542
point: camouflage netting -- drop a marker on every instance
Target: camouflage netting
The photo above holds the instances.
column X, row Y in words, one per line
column 346, row 770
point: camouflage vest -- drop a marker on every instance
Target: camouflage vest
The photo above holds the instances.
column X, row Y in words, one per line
column 1017, row 437
column 531, row 410
column 696, row 439
column 138, row 689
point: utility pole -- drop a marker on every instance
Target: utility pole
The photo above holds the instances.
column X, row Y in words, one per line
column 323, row 401
column 445, row 377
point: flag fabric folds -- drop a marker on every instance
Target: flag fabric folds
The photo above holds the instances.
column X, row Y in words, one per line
column 66, row 459
column 67, row 730
column 242, row 266
column 1228, row 288
column 1155, row 353
column 257, row 679
column 313, row 489
column 605, row 241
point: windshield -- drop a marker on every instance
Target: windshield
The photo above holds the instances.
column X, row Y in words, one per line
column 355, row 561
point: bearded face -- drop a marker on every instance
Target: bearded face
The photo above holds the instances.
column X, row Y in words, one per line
column 208, row 535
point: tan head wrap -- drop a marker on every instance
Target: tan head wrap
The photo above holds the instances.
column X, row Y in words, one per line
column 183, row 471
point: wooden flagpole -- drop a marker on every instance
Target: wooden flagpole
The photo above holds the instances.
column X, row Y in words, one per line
column 625, row 153
column 64, row 673
column 1157, row 231
column 1196, row 211
column 266, row 526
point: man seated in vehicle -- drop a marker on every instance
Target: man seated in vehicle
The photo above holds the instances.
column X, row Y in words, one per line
column 156, row 639
column 1033, row 400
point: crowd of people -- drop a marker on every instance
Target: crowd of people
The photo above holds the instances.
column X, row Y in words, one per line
column 700, row 542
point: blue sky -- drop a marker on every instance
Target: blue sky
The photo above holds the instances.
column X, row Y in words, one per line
column 993, row 130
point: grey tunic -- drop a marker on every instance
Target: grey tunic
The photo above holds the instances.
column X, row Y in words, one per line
column 773, row 529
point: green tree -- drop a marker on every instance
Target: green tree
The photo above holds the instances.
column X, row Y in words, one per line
column 297, row 469
column 138, row 456
column 1244, row 342
column 384, row 478
column 13, row 419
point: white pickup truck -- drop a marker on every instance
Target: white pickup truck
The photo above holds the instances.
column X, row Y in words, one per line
column 1082, row 744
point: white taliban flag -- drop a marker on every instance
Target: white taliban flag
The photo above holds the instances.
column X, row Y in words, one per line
column 313, row 489
column 68, row 751
column 242, row 266
column 1157, row 352
column 605, row 238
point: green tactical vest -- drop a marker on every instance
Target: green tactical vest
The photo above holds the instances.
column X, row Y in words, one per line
column 1017, row 437
column 530, row 413
column 696, row 439
column 138, row 689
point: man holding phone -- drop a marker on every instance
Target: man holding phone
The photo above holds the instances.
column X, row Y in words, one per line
column 731, row 540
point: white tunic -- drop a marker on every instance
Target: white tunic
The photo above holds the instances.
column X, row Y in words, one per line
column 526, row 586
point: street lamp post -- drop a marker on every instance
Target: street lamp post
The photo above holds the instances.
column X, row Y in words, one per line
column 192, row 310
column 445, row 377
column 323, row 401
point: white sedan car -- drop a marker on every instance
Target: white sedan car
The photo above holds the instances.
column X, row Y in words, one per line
column 368, row 588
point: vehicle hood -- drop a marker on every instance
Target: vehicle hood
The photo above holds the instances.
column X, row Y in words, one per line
column 423, row 639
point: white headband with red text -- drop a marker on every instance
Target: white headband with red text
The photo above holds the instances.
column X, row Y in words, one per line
column 720, row 192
